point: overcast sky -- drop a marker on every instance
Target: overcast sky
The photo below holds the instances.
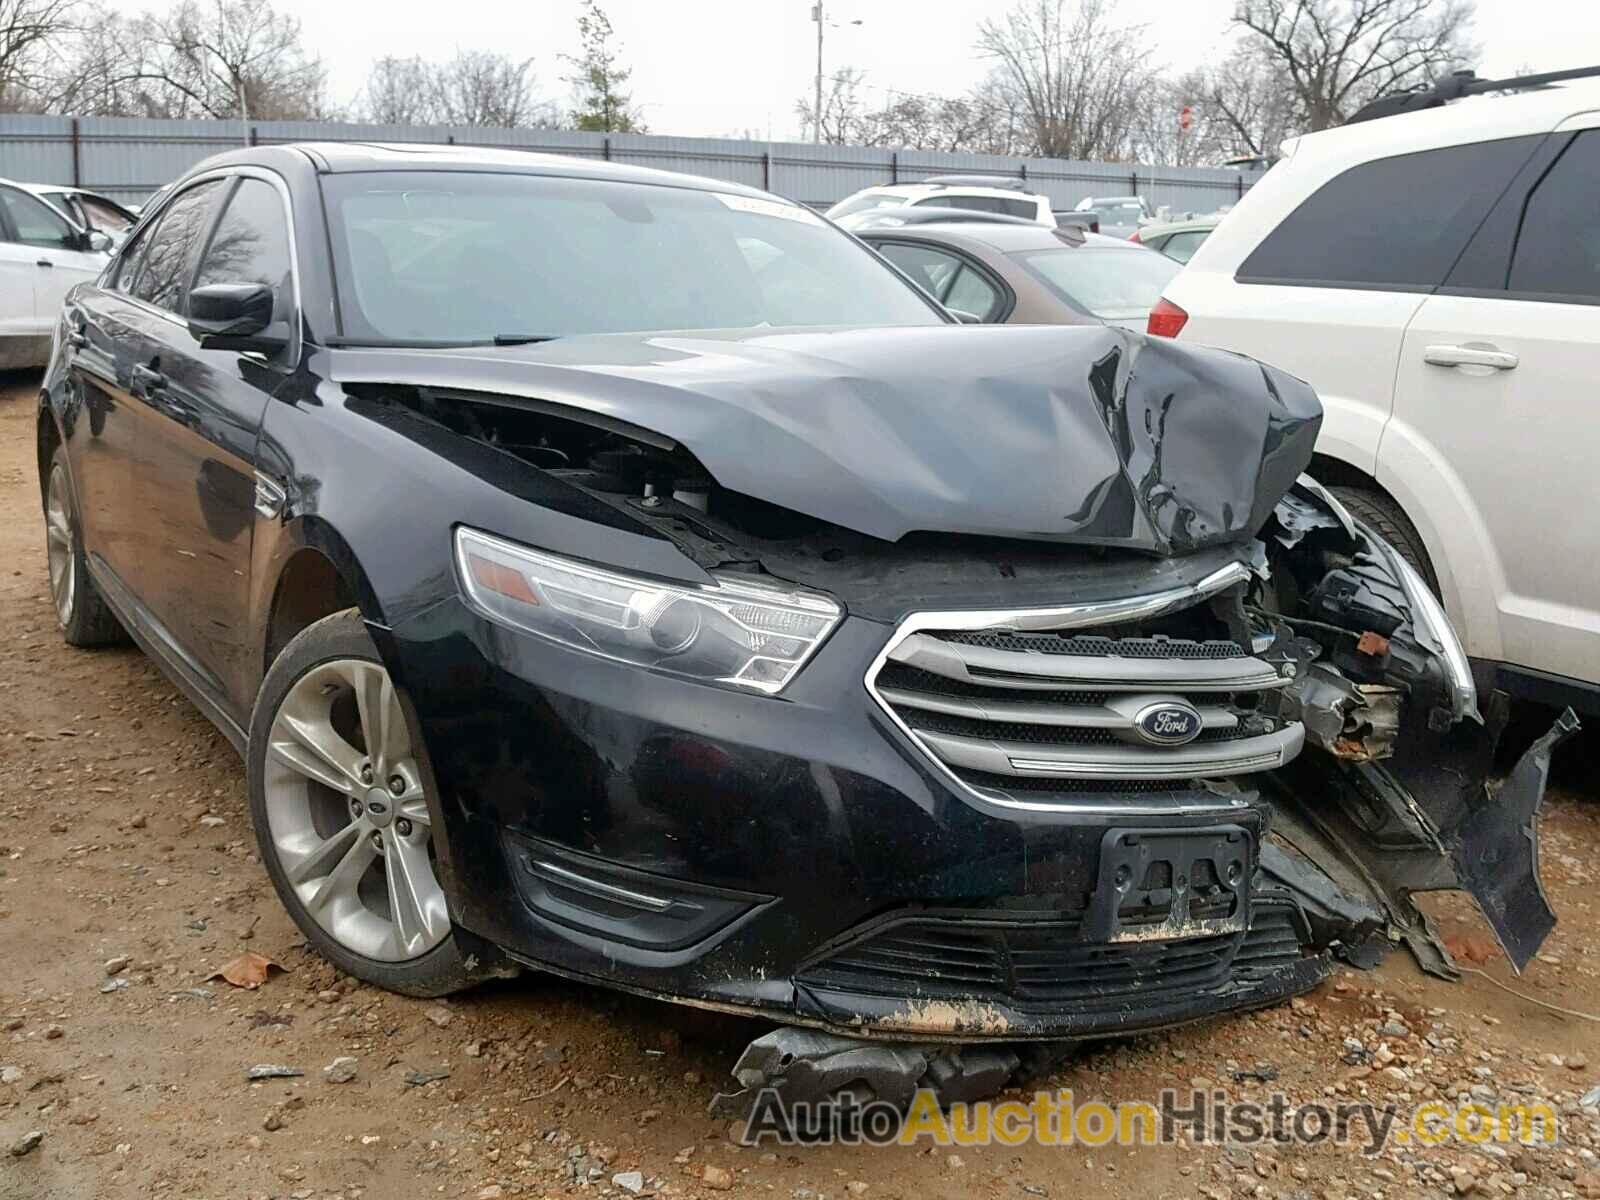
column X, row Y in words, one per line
column 714, row 67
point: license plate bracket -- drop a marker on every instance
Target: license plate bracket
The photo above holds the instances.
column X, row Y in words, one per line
column 1166, row 884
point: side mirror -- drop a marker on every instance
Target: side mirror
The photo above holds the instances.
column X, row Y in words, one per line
column 99, row 241
column 235, row 316
column 966, row 318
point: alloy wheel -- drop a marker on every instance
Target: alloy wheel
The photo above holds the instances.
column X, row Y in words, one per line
column 347, row 815
column 59, row 545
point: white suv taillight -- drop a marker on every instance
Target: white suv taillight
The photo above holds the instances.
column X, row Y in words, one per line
column 1166, row 319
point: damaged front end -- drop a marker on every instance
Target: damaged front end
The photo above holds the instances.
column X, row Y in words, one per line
column 1396, row 796
column 1119, row 726
column 1390, row 795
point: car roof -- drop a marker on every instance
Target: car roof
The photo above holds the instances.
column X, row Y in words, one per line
column 1471, row 119
column 336, row 158
column 39, row 189
column 1005, row 238
column 919, row 189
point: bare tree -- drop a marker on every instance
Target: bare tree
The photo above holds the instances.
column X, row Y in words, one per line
column 27, row 30
column 479, row 87
column 984, row 121
column 1077, row 73
column 1255, row 105
column 476, row 87
column 1175, row 124
column 229, row 58
column 399, row 91
column 843, row 118
column 1335, row 55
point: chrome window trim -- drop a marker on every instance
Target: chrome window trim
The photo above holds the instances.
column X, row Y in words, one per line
column 1073, row 616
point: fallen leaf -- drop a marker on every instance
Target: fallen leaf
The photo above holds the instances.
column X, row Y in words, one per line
column 249, row 970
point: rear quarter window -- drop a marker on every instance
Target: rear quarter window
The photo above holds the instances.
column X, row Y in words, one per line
column 1394, row 224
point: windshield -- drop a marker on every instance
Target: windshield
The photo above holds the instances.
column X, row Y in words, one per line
column 1114, row 285
column 863, row 202
column 468, row 257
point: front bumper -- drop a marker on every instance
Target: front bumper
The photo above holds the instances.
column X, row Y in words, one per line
column 798, row 856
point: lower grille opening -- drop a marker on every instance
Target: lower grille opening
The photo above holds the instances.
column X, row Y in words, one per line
column 949, row 957
column 1176, row 790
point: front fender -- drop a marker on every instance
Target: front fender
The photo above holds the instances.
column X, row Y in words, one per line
column 1453, row 530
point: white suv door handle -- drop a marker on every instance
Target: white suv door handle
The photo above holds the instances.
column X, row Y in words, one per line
column 1469, row 356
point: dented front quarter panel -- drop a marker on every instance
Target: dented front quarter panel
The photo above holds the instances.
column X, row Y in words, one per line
column 1397, row 797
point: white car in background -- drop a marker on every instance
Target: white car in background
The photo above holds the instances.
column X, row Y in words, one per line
column 1120, row 216
column 86, row 209
column 42, row 254
column 975, row 193
column 1435, row 275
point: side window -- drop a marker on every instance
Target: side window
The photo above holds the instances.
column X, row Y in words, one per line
column 972, row 293
column 165, row 269
column 971, row 203
column 251, row 244
column 1019, row 208
column 121, row 280
column 1182, row 246
column 1395, row 223
column 35, row 223
column 1558, row 250
column 932, row 270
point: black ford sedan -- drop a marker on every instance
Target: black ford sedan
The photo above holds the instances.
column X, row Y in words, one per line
column 632, row 576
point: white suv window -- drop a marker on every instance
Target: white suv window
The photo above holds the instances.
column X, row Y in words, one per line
column 1004, row 205
column 1558, row 251
column 1396, row 224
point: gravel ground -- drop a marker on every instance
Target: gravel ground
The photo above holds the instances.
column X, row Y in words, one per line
column 128, row 876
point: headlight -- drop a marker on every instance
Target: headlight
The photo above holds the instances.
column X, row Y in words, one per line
column 1433, row 630
column 736, row 633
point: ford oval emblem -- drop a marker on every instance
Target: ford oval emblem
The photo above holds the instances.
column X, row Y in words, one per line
column 1168, row 723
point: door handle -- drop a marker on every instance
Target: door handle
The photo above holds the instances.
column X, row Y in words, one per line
column 43, row 262
column 1469, row 355
column 148, row 377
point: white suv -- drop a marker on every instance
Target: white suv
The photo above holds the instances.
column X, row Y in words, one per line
column 1436, row 276
column 977, row 193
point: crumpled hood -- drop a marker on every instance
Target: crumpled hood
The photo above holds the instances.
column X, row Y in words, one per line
column 1081, row 434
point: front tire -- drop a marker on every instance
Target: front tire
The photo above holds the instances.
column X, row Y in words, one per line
column 342, row 817
column 1389, row 521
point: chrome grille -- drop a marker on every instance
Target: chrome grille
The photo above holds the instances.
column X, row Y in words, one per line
column 990, row 704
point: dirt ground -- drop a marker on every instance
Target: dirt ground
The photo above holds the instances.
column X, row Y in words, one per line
column 124, row 834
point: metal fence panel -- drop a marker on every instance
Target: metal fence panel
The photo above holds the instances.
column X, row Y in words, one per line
column 129, row 158
column 36, row 149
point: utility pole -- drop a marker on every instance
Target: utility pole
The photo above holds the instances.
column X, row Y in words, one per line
column 816, row 113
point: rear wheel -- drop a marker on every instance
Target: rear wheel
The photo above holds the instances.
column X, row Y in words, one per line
column 85, row 618
column 342, row 815
column 1389, row 521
